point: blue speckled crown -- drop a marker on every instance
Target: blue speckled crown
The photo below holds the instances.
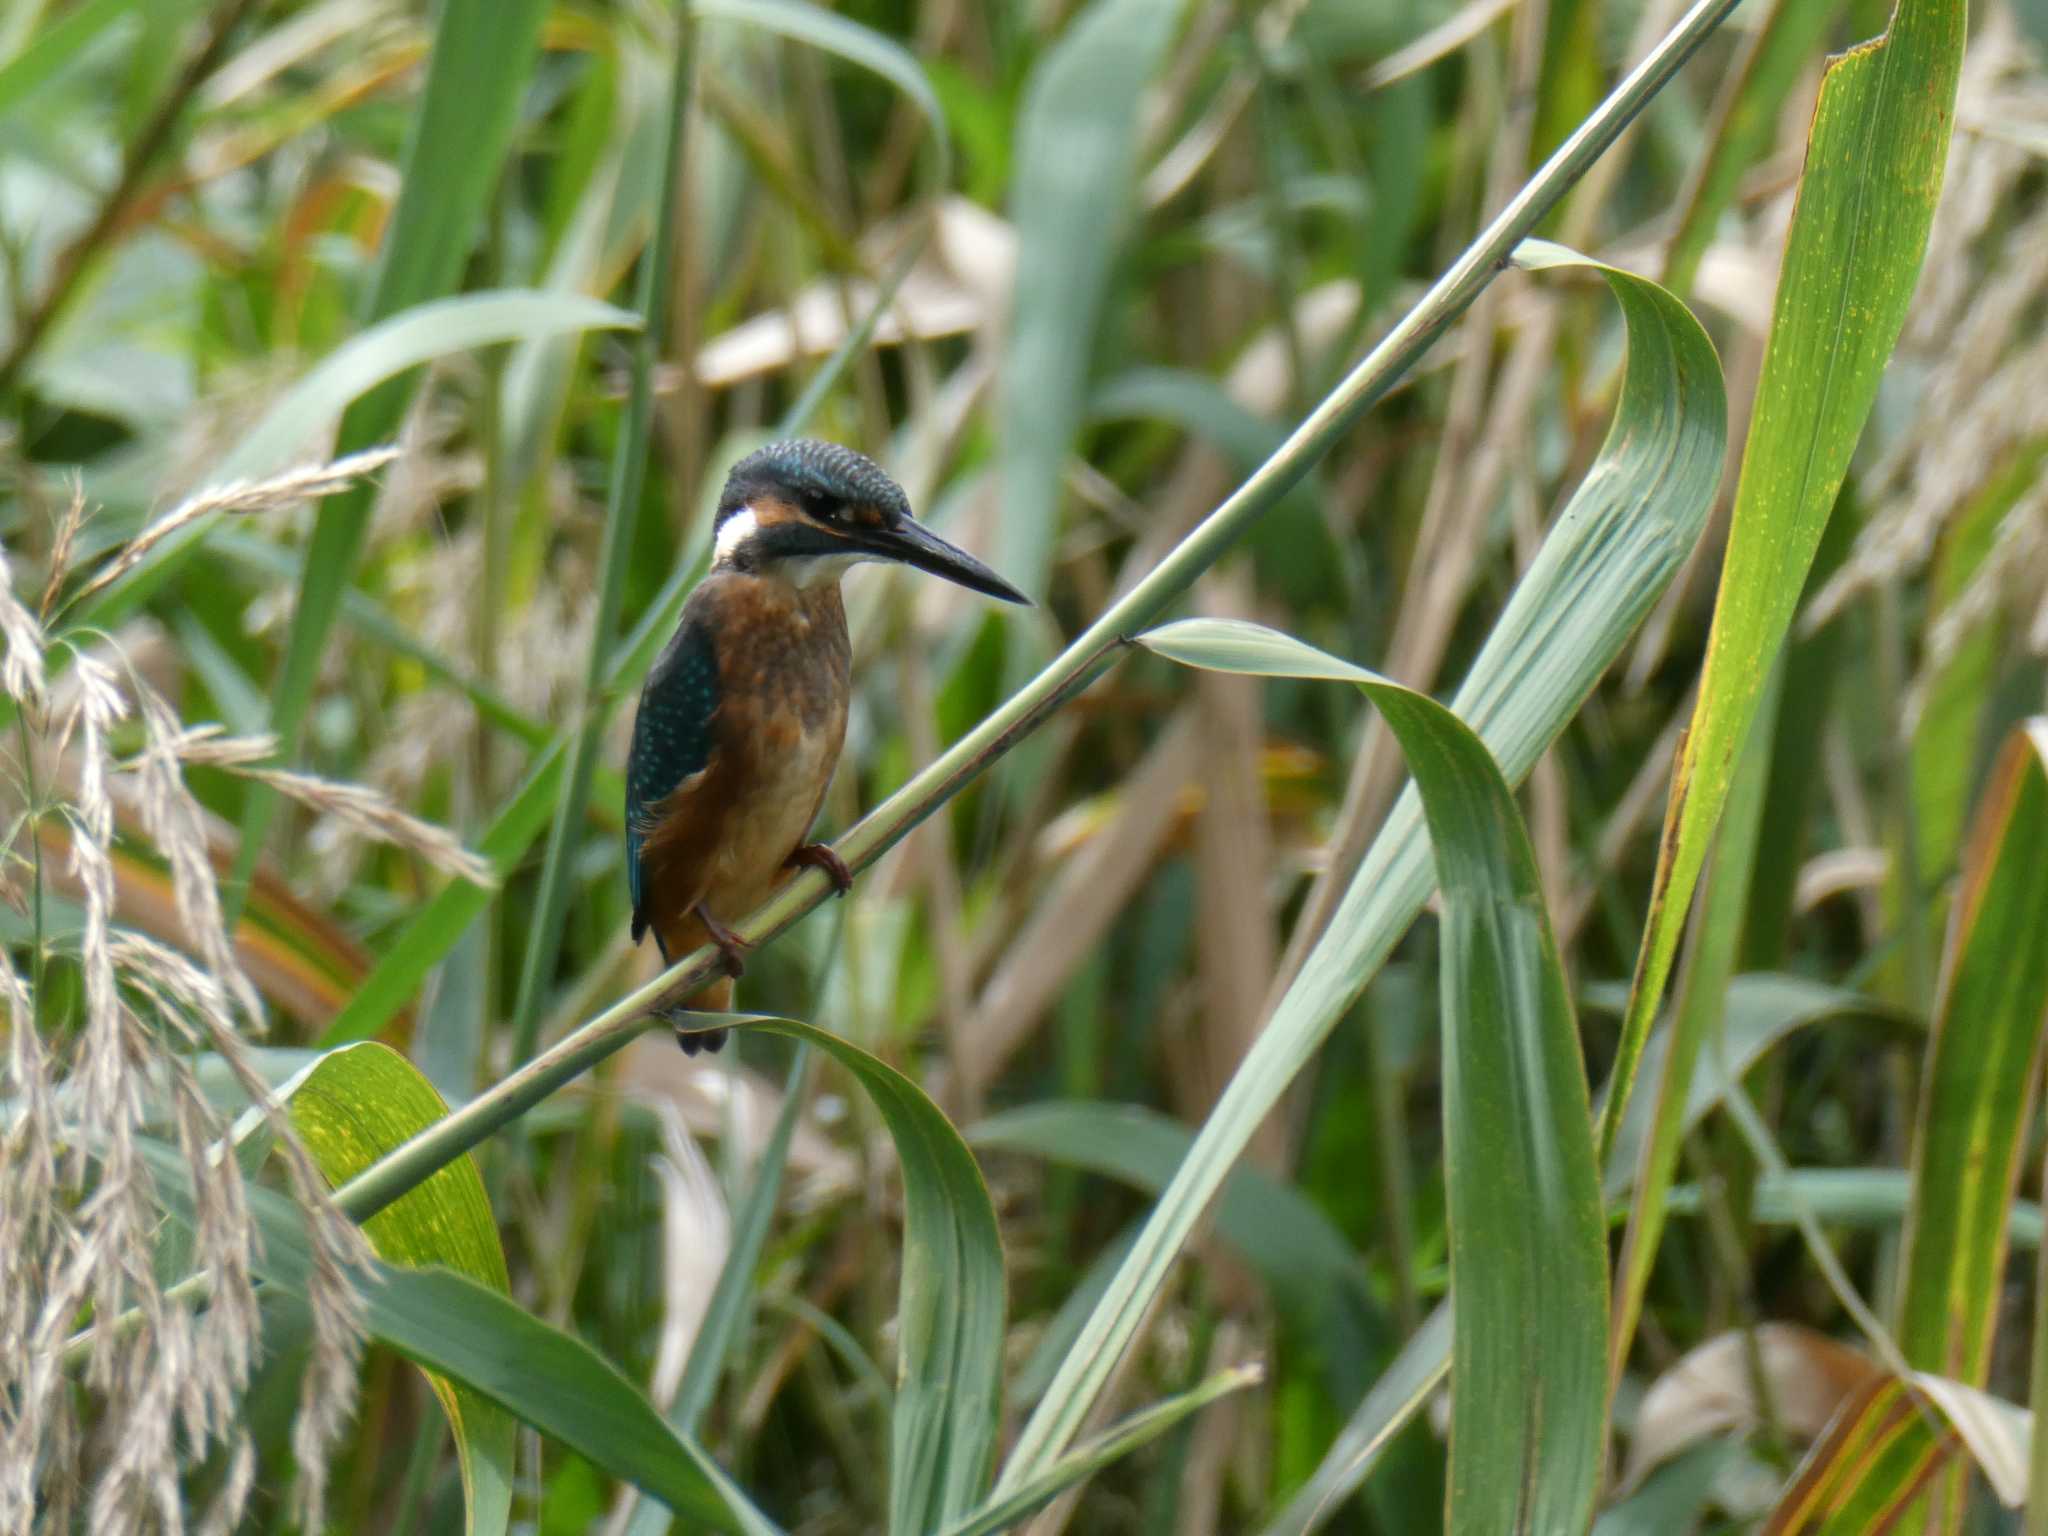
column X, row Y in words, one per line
column 806, row 464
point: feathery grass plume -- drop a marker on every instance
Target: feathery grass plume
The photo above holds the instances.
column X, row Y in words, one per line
column 306, row 483
column 2014, row 558
column 1969, row 330
column 365, row 810
column 34, row 1222
column 178, row 827
column 79, row 1217
column 22, row 672
column 62, row 547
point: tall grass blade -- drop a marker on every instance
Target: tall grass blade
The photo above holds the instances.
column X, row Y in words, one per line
column 816, row 27
column 1981, row 1079
column 621, row 515
column 1401, row 1392
column 1760, row 1013
column 56, row 45
column 1695, row 1017
column 949, row 1321
column 1091, row 1456
column 1077, row 151
column 1859, row 231
column 1774, row 56
column 1527, row 1239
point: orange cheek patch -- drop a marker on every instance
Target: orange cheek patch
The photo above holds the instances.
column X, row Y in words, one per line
column 867, row 516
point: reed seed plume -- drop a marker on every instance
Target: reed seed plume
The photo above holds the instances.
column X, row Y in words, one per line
column 61, row 548
column 306, row 483
column 88, row 1081
column 2013, row 564
column 365, row 810
column 22, row 672
column 1980, row 400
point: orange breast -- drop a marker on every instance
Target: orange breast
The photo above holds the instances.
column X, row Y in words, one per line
column 723, row 836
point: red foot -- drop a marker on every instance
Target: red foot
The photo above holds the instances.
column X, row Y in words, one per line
column 731, row 947
column 819, row 856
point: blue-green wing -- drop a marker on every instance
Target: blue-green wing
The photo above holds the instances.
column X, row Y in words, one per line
column 672, row 738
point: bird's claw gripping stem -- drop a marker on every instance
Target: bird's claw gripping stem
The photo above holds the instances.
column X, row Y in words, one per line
column 731, row 947
column 821, row 856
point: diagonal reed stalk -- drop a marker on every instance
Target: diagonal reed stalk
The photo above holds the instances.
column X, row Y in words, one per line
column 1083, row 660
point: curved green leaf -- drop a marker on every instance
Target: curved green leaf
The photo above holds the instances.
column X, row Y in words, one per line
column 379, row 354
column 817, row 27
column 1528, row 1242
column 1760, row 1012
column 558, row 1384
column 1631, row 523
column 350, row 1108
column 949, row 1321
column 395, row 346
column 552, row 1380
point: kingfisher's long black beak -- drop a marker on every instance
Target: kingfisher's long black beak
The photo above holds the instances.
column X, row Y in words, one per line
column 911, row 543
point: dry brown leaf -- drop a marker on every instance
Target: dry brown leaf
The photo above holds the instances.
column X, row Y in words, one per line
column 1805, row 1377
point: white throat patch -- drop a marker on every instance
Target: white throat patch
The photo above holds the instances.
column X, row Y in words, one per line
column 735, row 531
column 800, row 571
column 806, row 571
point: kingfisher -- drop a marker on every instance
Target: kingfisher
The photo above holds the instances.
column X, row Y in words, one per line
column 742, row 716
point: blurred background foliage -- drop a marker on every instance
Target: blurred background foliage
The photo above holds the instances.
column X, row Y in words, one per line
column 1136, row 242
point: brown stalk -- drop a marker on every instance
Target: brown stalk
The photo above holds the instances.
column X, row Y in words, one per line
column 1075, row 911
column 1237, row 946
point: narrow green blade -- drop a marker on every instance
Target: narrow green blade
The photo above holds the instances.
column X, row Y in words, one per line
column 477, row 75
column 949, row 1321
column 1982, row 1071
column 1077, row 147
column 1859, row 232
column 1527, row 1239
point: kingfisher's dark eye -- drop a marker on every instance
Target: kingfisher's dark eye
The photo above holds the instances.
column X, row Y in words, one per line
column 819, row 504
